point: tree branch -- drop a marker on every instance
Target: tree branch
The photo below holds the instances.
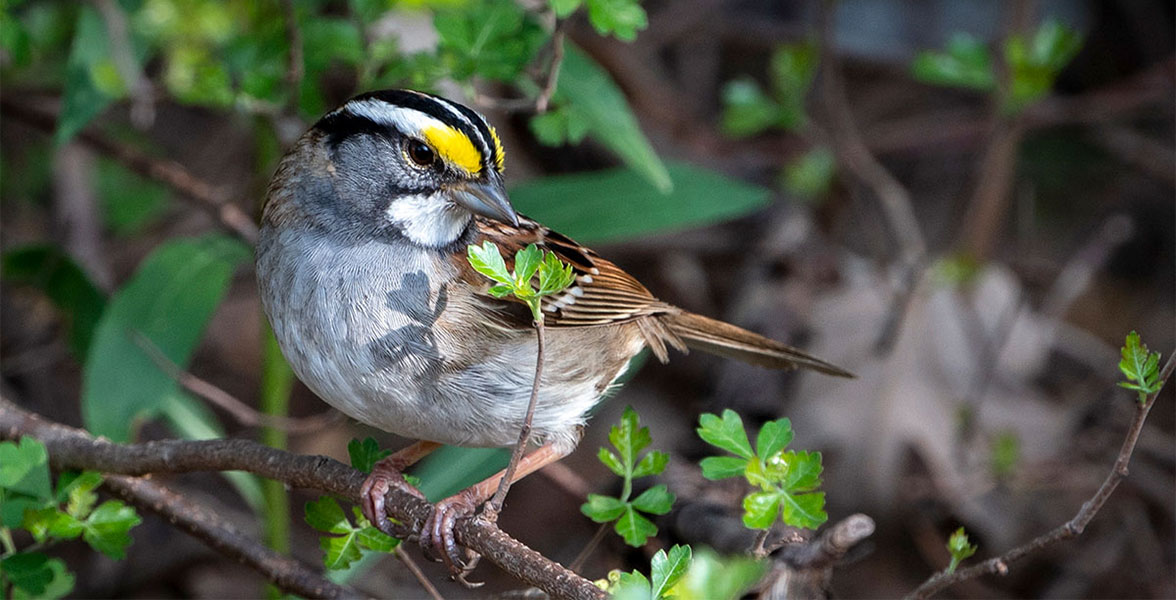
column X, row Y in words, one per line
column 1072, row 528
column 71, row 448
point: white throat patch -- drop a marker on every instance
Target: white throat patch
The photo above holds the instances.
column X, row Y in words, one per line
column 429, row 220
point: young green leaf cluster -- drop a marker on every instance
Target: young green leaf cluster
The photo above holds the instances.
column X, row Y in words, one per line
column 1140, row 367
column 959, row 548
column 786, row 479
column 629, row 439
column 554, row 274
column 621, row 18
column 28, row 500
column 686, row 575
column 348, row 541
column 749, row 110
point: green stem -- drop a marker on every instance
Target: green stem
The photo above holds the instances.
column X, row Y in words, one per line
column 276, row 382
column 6, row 540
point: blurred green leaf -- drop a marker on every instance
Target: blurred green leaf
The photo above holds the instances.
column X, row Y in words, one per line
column 621, row 18
column 966, row 63
column 59, row 585
column 959, row 548
column 563, row 8
column 82, row 100
column 652, row 463
column 1035, row 63
column 1006, row 453
column 560, row 125
column 612, row 461
column 107, row 529
column 24, row 468
column 747, row 110
column 129, row 202
column 526, row 264
column 592, row 94
column 450, row 469
column 793, row 68
column 28, row 571
column 619, row 204
column 14, row 38
column 50, row 270
column 373, row 539
column 494, row 39
column 711, row 577
column 811, row 175
column 327, row 516
column 163, row 309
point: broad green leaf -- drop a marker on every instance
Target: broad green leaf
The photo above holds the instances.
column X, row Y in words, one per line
column 773, row 437
column 526, row 264
column 657, row 500
column 487, row 260
column 621, row 18
column 107, row 529
column 726, row 433
column 61, row 584
column 24, row 468
column 966, row 63
column 450, row 469
column 806, row 511
column 326, row 515
column 53, row 272
column 666, row 569
column 747, row 110
column 602, row 509
column 340, row 551
column 634, row 528
column 82, row 100
column 588, row 88
column 722, row 467
column 611, row 461
column 160, row 312
column 619, row 204
column 364, row 455
column 652, row 463
column 760, row 509
column 1140, row 367
column 28, row 571
column 373, row 539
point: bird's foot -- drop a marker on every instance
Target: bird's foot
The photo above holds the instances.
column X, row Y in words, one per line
column 384, row 477
column 439, row 541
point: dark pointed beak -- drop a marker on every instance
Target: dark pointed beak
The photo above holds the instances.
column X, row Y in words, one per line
column 485, row 198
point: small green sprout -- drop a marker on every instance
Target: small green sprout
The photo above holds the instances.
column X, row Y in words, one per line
column 1140, row 367
column 959, row 548
column 554, row 274
column 786, row 479
column 629, row 439
column 348, row 541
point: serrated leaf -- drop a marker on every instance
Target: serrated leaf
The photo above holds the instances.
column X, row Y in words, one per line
column 326, row 515
column 760, row 509
column 634, row 528
column 611, row 461
column 107, row 529
column 773, row 437
column 162, row 311
column 666, row 569
column 50, row 522
column 373, row 539
column 75, row 488
column 652, row 463
column 554, row 275
column 806, row 511
column 621, row 18
column 1139, row 366
column 629, row 437
column 56, row 275
column 486, row 260
column 24, row 468
column 802, row 470
column 656, row 500
column 603, row 509
column 722, row 467
column 726, row 433
column 526, row 264
column 340, row 551
column 364, row 455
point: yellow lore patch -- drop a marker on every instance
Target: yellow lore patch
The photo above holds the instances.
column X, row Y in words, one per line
column 455, row 147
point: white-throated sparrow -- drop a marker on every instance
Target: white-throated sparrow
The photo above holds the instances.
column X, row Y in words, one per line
column 363, row 274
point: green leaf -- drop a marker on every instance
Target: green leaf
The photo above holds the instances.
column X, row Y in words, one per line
column 29, row 571
column 656, row 500
column 14, row 507
column 59, row 586
column 629, row 586
column 793, row 68
column 622, row 18
column 364, row 455
column 56, row 275
column 526, row 264
column 560, row 125
column 634, row 528
column 82, row 100
column 107, row 529
column 611, row 461
column 14, row 39
column 326, row 515
column 162, row 310
column 603, row 509
column 712, row 577
column 76, row 488
column 967, row 63
column 129, row 201
column 652, row 463
column 773, row 437
column 726, row 433
column 1140, row 367
column 494, row 39
column 806, row 511
column 340, row 551
column 1006, row 453
column 373, row 539
column 811, row 175
column 24, row 468
column 959, row 548
column 722, row 467
column 665, row 570
column 488, row 261
column 563, row 8
column 629, row 437
column 802, row 470
column 554, row 275
column 619, row 204
column 747, row 110
column 589, row 89
column 501, row 290
column 760, row 509
column 1034, row 63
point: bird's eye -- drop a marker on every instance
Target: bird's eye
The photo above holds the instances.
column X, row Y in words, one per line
column 420, row 153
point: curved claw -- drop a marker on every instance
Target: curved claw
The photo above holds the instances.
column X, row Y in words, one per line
column 439, row 540
column 383, row 478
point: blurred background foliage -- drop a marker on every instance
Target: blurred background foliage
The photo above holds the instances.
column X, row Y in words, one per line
column 1034, row 138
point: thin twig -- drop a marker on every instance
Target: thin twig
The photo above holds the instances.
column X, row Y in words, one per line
column 1072, row 528
column 71, row 448
column 550, row 82
column 490, row 511
column 413, row 568
column 213, row 200
column 582, row 557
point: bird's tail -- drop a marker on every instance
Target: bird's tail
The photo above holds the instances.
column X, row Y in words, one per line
column 724, row 339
